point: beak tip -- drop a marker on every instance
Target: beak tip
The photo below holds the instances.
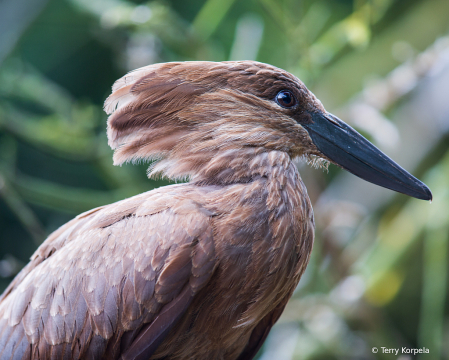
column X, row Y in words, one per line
column 424, row 193
column 429, row 196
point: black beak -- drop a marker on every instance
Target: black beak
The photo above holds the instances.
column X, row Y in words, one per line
column 345, row 147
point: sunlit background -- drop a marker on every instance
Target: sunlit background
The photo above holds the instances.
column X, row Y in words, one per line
column 378, row 274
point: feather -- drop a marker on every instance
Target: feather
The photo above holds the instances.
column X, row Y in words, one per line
column 149, row 339
column 191, row 271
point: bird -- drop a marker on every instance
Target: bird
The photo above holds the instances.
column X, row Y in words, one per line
column 204, row 268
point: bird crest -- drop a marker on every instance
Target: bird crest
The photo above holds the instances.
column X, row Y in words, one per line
column 193, row 117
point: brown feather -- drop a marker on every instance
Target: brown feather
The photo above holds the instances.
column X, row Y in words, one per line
column 192, row 271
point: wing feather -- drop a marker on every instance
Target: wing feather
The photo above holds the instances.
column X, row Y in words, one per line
column 260, row 332
column 110, row 281
column 153, row 335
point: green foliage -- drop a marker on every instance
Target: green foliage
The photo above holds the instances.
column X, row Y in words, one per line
column 378, row 275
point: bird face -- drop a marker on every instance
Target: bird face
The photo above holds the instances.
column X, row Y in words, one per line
column 190, row 113
column 337, row 142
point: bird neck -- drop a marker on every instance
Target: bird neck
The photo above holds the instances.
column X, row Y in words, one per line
column 243, row 166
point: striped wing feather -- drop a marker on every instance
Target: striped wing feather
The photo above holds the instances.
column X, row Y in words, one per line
column 111, row 282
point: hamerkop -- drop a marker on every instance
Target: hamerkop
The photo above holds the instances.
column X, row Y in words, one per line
column 203, row 269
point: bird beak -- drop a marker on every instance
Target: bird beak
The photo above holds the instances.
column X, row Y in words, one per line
column 345, row 147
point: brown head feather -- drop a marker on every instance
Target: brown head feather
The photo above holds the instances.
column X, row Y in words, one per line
column 195, row 117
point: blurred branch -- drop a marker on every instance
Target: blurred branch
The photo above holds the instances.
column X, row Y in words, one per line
column 99, row 7
column 378, row 265
column 66, row 127
column 354, row 31
column 22, row 211
column 247, row 38
column 21, row 80
column 313, row 21
column 348, row 200
column 52, row 132
column 148, row 26
column 436, row 246
column 376, row 59
column 434, row 293
column 276, row 12
column 63, row 198
column 15, row 16
column 210, row 16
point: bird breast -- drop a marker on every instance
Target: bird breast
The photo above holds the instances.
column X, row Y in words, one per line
column 263, row 234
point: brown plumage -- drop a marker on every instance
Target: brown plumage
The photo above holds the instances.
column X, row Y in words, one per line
column 200, row 270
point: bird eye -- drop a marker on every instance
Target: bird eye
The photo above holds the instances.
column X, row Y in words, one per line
column 286, row 99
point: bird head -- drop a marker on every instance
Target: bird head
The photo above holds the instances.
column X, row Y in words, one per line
column 191, row 116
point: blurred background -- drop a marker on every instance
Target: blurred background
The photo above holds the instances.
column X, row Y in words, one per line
column 378, row 274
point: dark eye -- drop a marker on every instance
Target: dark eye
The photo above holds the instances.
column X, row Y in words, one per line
column 286, row 99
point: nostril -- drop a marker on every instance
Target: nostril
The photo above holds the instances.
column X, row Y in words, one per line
column 332, row 120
